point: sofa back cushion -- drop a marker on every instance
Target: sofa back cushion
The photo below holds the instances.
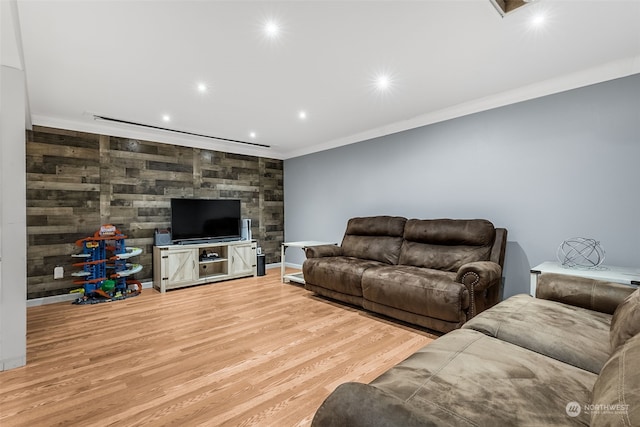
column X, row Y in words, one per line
column 376, row 238
column 616, row 392
column 625, row 322
column 446, row 244
column 592, row 294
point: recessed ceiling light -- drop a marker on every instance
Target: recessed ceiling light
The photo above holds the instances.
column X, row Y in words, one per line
column 252, row 135
column 202, row 87
column 302, row 115
column 538, row 19
column 166, row 118
column 383, row 82
column 271, row 29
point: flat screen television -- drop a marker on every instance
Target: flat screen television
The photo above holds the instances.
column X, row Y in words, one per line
column 205, row 220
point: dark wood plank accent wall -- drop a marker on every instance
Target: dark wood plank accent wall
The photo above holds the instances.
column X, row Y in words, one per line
column 78, row 181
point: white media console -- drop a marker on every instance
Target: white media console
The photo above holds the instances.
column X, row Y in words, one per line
column 177, row 266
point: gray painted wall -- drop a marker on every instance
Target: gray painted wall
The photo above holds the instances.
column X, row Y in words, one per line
column 559, row 166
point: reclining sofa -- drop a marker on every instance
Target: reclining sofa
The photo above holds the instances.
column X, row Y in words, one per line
column 568, row 357
column 434, row 273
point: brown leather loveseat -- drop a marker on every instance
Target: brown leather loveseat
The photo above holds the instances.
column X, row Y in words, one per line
column 435, row 273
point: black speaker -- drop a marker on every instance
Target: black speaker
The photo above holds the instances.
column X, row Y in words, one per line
column 261, row 265
column 162, row 237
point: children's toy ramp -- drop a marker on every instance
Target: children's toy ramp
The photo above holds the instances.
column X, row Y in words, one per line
column 130, row 252
column 81, row 273
column 106, row 244
column 131, row 269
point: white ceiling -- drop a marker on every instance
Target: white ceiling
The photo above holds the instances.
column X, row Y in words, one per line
column 138, row 60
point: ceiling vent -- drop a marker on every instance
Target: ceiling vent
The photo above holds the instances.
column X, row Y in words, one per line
column 130, row 123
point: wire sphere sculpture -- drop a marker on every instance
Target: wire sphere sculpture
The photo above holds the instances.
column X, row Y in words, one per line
column 581, row 252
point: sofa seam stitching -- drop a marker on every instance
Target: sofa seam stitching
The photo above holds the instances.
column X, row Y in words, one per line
column 509, row 317
column 451, row 358
column 623, row 357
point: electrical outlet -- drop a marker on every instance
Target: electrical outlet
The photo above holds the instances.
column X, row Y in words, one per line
column 58, row 272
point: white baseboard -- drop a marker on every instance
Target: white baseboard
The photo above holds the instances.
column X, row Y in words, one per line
column 296, row 266
column 286, row 264
column 66, row 297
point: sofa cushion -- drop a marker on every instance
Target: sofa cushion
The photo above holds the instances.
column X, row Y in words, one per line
column 626, row 320
column 374, row 238
column 572, row 335
column 339, row 274
column 446, row 244
column 468, row 378
column 616, row 394
column 421, row 291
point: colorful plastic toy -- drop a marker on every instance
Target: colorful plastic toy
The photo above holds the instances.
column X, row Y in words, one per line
column 104, row 251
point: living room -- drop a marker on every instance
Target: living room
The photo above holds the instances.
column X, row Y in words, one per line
column 551, row 156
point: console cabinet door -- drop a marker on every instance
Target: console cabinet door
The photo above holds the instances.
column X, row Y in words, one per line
column 243, row 259
column 180, row 266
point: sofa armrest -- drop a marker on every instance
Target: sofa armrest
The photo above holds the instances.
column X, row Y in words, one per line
column 591, row 294
column 362, row 405
column 322, row 251
column 478, row 276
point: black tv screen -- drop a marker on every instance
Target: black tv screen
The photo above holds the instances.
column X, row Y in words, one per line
column 205, row 219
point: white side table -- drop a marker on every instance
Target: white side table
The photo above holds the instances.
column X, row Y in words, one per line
column 609, row 273
column 296, row 277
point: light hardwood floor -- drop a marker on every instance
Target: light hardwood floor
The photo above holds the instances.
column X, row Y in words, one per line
column 251, row 352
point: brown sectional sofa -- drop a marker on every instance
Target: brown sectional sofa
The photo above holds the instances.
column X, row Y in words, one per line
column 568, row 357
column 435, row 273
